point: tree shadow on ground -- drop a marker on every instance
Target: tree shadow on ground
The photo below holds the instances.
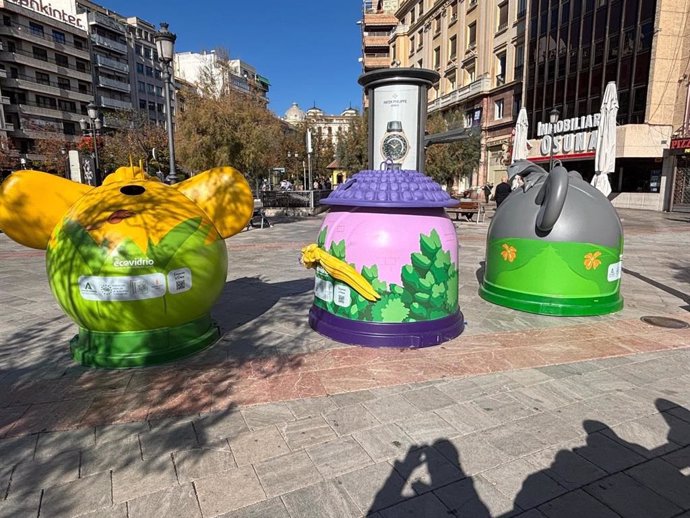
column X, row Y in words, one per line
column 607, row 476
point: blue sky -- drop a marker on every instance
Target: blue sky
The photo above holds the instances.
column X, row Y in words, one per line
column 308, row 49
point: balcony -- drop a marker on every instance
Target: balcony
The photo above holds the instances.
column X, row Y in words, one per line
column 113, row 84
column 107, row 102
column 29, row 83
column 109, row 44
column 24, row 32
column 9, row 126
column 49, row 111
column 104, row 62
column 96, row 18
column 376, row 41
column 376, row 62
column 479, row 86
column 380, row 20
column 4, row 99
column 45, row 65
column 3, row 73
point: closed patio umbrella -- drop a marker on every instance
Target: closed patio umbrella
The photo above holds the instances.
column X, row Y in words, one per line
column 605, row 159
column 520, row 139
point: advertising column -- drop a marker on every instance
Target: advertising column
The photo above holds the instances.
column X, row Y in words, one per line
column 397, row 115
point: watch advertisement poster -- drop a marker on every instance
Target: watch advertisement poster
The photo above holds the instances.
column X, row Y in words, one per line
column 396, row 120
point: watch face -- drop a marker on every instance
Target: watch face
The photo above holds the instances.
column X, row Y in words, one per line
column 394, row 147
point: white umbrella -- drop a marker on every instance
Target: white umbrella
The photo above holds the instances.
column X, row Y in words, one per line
column 605, row 159
column 520, row 139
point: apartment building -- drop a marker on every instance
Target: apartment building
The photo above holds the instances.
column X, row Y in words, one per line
column 199, row 67
column 478, row 48
column 45, row 73
column 146, row 73
column 331, row 126
column 378, row 20
column 575, row 49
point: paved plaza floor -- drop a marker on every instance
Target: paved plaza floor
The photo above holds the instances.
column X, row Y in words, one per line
column 522, row 415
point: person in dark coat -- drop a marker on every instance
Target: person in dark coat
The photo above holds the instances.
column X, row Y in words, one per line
column 503, row 189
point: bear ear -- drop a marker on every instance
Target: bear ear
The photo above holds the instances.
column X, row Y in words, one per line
column 224, row 195
column 32, row 203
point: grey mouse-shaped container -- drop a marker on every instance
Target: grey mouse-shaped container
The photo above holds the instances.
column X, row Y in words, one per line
column 554, row 246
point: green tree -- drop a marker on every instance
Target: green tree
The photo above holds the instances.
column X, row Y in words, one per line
column 353, row 147
column 448, row 163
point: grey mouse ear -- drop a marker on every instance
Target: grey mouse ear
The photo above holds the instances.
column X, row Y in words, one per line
column 575, row 174
column 523, row 168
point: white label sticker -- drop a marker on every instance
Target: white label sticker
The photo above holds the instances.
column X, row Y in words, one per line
column 615, row 271
column 124, row 287
column 179, row 280
column 341, row 295
column 323, row 289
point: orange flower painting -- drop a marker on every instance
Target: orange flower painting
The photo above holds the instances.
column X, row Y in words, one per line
column 509, row 253
column 592, row 261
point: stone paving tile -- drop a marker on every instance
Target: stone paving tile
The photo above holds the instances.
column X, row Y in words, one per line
column 609, row 455
column 307, row 432
column 260, row 416
column 664, row 479
column 462, row 390
column 518, row 482
column 272, row 508
column 503, row 407
column 425, row 469
column 311, row 407
column 43, row 473
column 545, row 396
column 528, row 377
column 563, row 465
column 142, row 478
column 324, row 500
column 23, row 505
column 202, row 462
column 471, row 453
column 349, row 419
column 374, row 487
column 648, row 436
column 17, row 449
column 428, row 398
column 111, row 455
column 474, row 497
column 351, row 398
column 117, row 432
column 425, row 505
column 78, row 497
column 576, row 504
column 251, row 447
column 513, row 439
column 392, row 390
column 391, row 408
column 383, row 442
column 228, row 491
column 117, row 511
column 466, row 418
column 223, row 425
column 339, row 456
column 287, row 473
column 427, row 427
column 181, row 436
column 52, row 443
column 175, row 502
column 631, row 499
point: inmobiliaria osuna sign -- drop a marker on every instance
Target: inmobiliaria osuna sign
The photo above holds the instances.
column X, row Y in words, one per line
column 574, row 135
column 61, row 10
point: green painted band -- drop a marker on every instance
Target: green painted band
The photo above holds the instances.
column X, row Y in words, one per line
column 120, row 350
column 557, row 306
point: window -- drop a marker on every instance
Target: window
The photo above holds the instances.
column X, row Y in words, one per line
column 157, row 74
column 502, row 17
column 45, row 102
column 160, row 108
column 421, row 8
column 420, row 39
column 58, row 37
column 36, row 29
column 159, row 91
column 155, row 54
column 42, row 78
column 147, row 52
column 470, row 72
column 152, row 106
column 11, row 47
column 140, row 68
column 67, row 106
column 7, row 21
column 139, row 50
column 142, row 104
column 437, row 25
column 453, row 12
column 413, row 15
column 452, row 48
column 61, row 60
column 149, row 71
column 79, row 43
column 472, row 35
column 522, row 8
column 64, row 83
column 81, row 66
column 437, row 58
column 151, row 89
column 519, row 61
column 14, row 73
column 69, row 128
column 452, row 81
column 84, row 88
column 141, row 86
column 412, row 45
column 40, row 53
column 498, row 109
column 500, row 69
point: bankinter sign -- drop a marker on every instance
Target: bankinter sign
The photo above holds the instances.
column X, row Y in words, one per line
column 57, row 13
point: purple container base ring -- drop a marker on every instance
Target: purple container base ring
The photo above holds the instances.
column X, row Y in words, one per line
column 411, row 335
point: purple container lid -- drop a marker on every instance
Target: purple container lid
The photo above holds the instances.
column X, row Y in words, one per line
column 390, row 188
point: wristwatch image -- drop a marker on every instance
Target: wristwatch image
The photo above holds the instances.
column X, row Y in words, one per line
column 394, row 145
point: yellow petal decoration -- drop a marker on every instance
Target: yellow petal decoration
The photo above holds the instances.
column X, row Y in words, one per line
column 509, row 253
column 312, row 256
column 592, row 261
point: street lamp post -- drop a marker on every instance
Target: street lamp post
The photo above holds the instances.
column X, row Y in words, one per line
column 553, row 119
column 92, row 128
column 291, row 163
column 165, row 43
